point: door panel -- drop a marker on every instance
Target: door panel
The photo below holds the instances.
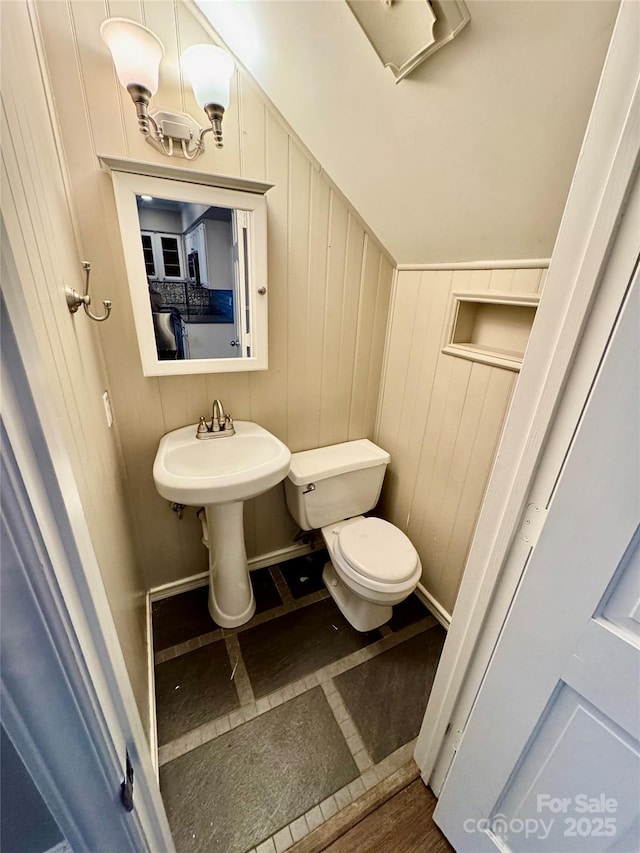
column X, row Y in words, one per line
column 557, row 714
column 575, row 741
column 604, row 669
column 622, row 602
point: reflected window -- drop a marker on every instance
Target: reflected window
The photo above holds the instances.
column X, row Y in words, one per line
column 163, row 255
column 171, row 257
column 147, row 248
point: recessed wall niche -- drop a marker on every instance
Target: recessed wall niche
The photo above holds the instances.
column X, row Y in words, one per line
column 492, row 328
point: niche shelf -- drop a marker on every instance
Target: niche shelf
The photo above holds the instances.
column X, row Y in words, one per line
column 492, row 328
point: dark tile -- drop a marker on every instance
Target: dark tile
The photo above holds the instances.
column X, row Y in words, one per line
column 181, row 617
column 387, row 695
column 304, row 574
column 296, row 644
column 407, row 612
column 265, row 591
column 193, row 689
column 228, row 795
column 185, row 616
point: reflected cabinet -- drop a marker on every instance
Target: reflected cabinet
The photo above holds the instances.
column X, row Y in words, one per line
column 195, row 249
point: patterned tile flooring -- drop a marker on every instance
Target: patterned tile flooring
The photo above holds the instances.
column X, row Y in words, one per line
column 280, row 723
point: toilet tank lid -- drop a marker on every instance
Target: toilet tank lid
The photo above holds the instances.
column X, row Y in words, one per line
column 309, row 466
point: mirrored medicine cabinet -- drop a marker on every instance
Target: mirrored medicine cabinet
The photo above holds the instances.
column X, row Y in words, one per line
column 195, row 249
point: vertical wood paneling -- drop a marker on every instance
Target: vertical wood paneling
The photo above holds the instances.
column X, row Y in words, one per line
column 330, row 426
column 437, row 465
column 310, row 410
column 429, row 310
column 440, row 418
column 333, row 429
column 376, row 346
column 401, row 339
column 329, row 281
column 365, row 340
column 268, row 388
column 299, row 216
column 36, row 212
column 484, row 442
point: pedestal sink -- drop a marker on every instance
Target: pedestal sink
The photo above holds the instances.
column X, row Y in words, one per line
column 221, row 474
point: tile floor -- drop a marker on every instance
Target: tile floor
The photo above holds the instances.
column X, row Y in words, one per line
column 267, row 730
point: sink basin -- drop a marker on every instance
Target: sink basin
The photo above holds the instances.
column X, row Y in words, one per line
column 220, row 474
column 198, row 472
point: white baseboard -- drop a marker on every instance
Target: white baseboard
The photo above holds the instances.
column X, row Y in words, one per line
column 259, row 562
column 283, row 554
column 443, row 617
column 157, row 593
column 151, row 682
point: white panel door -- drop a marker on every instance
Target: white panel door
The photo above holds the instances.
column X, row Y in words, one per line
column 550, row 758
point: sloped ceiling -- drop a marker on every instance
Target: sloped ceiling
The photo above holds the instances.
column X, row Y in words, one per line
column 470, row 157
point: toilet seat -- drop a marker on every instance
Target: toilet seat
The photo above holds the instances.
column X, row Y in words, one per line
column 377, row 551
column 367, row 602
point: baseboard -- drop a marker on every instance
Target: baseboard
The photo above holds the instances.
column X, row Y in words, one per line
column 443, row 617
column 288, row 553
column 151, row 681
column 157, row 593
column 261, row 561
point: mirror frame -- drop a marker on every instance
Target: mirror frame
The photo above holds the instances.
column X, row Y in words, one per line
column 131, row 179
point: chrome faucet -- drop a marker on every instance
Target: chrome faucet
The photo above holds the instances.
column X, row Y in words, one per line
column 221, row 424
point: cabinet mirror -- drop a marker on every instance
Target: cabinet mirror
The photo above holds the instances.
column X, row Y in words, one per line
column 195, row 252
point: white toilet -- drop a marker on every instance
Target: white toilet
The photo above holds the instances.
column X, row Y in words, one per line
column 373, row 564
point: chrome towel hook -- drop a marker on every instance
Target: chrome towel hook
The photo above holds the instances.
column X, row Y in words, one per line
column 75, row 300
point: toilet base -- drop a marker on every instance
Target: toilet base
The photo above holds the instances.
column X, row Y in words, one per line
column 363, row 615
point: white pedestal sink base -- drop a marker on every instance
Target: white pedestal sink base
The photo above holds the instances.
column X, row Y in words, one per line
column 231, row 601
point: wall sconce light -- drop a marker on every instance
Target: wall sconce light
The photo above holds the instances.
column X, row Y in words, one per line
column 137, row 53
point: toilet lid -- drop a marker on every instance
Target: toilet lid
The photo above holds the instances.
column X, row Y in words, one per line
column 376, row 549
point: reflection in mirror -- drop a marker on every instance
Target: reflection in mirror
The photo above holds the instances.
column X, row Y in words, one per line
column 195, row 249
column 195, row 293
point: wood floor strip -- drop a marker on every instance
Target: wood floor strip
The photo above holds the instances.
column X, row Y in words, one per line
column 403, row 824
column 355, row 812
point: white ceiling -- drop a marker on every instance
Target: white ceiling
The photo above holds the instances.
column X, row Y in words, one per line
column 471, row 156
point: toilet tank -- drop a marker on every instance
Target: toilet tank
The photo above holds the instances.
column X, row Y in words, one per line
column 332, row 483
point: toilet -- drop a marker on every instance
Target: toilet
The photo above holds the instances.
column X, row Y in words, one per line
column 373, row 565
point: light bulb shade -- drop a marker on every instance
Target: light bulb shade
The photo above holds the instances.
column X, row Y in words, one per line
column 136, row 52
column 208, row 69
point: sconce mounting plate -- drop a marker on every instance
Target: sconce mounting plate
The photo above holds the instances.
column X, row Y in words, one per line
column 179, row 127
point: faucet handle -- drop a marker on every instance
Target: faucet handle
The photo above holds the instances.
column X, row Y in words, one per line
column 202, row 426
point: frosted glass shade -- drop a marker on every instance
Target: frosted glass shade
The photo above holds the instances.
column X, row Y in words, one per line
column 208, row 69
column 136, row 52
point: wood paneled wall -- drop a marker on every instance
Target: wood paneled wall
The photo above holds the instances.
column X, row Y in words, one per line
column 36, row 212
column 440, row 419
column 329, row 279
